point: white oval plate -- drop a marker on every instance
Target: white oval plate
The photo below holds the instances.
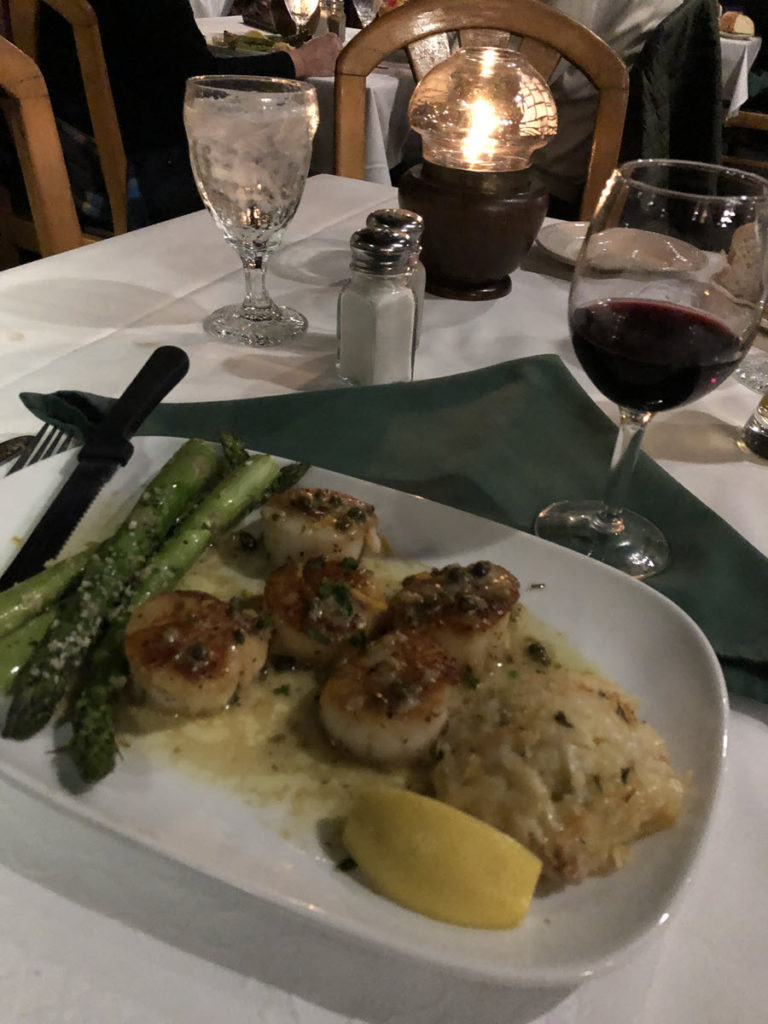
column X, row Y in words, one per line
column 563, row 240
column 637, row 637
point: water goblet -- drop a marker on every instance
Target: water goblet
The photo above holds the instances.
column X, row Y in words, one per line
column 666, row 298
column 250, row 143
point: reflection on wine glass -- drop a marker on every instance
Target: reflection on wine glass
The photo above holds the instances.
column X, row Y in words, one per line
column 366, row 10
column 250, row 142
column 665, row 301
column 301, row 11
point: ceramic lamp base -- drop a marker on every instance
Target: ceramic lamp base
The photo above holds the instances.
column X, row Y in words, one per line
column 478, row 226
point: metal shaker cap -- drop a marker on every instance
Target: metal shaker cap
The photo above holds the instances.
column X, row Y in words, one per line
column 380, row 250
column 410, row 223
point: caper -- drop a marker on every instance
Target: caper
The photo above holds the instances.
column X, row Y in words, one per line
column 246, row 540
column 198, row 652
column 538, row 652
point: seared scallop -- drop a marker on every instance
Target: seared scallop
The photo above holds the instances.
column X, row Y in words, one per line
column 389, row 703
column 465, row 609
column 304, row 522
column 189, row 653
column 322, row 608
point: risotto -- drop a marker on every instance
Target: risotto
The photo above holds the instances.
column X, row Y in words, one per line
column 561, row 762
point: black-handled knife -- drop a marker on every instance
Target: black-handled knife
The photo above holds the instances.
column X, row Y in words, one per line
column 106, row 449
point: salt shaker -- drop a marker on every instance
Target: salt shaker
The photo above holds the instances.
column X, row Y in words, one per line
column 377, row 310
column 412, row 225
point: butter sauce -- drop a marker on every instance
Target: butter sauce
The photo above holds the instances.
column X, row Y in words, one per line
column 270, row 749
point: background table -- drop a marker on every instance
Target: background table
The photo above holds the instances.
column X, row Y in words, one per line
column 737, row 55
column 388, row 91
column 94, row 928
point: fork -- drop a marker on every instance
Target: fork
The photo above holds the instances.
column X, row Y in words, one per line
column 49, row 441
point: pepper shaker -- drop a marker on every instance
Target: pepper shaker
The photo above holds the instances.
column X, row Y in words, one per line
column 412, row 225
column 377, row 310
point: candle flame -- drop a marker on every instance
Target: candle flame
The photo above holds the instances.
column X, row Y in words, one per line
column 478, row 141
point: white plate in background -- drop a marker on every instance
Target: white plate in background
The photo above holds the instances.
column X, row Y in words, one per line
column 563, row 239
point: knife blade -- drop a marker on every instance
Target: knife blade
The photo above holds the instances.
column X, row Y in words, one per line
column 107, row 448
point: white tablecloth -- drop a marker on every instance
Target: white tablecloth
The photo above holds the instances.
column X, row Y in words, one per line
column 388, row 90
column 738, row 56
column 93, row 928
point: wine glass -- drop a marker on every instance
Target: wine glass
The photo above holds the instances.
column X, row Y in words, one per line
column 301, row 11
column 366, row 10
column 250, row 143
column 666, row 298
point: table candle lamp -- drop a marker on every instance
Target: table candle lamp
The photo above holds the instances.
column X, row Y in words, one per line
column 481, row 113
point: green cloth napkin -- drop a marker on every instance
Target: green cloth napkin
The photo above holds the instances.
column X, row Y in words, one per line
column 501, row 442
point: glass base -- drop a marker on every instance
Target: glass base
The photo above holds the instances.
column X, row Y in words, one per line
column 631, row 543
column 753, row 372
column 274, row 326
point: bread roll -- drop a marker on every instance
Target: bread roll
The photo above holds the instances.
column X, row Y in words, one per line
column 742, row 275
column 739, row 24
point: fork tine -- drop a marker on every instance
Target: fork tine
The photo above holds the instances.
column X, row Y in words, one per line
column 49, row 441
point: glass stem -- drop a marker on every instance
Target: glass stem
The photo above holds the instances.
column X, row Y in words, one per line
column 257, row 301
column 628, row 442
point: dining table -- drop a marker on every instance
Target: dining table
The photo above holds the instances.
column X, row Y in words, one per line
column 95, row 926
column 388, row 89
column 737, row 55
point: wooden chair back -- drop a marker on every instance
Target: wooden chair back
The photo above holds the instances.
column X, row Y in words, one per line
column 24, row 16
column 749, row 121
column 25, row 103
column 545, row 36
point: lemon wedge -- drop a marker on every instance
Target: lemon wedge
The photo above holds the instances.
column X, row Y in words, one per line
column 439, row 861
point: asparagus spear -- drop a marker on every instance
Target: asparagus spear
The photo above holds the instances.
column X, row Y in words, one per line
column 234, row 451
column 24, row 600
column 93, row 747
column 16, row 648
column 227, row 503
column 50, row 672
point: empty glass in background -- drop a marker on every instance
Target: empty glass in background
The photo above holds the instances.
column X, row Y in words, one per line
column 666, row 297
column 250, row 144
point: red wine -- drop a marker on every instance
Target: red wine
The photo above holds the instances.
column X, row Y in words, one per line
column 648, row 355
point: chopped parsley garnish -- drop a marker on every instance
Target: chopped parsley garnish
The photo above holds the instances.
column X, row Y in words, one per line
column 282, row 691
column 562, row 719
column 338, row 591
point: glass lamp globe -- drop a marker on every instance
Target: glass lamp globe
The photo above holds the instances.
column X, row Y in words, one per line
column 481, row 114
column 483, row 109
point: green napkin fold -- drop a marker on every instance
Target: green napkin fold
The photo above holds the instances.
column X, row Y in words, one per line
column 501, row 442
